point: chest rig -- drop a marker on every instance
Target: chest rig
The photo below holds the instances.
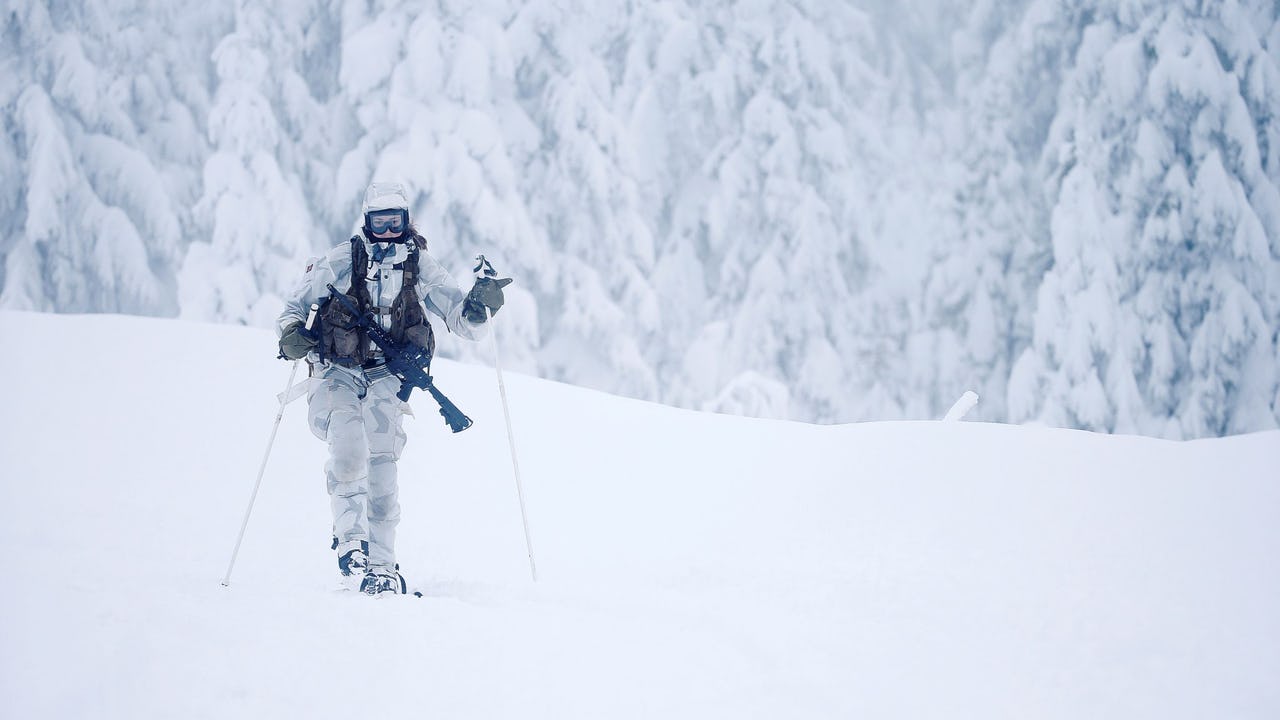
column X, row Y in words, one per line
column 344, row 342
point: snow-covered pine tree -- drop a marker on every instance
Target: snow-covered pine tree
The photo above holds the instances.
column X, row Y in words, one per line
column 1160, row 312
column 771, row 178
column 102, row 105
column 582, row 194
column 992, row 248
column 730, row 206
column 270, row 134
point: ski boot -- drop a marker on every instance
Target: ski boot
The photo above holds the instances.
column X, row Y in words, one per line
column 381, row 580
column 354, row 562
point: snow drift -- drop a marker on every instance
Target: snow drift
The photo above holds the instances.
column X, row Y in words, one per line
column 692, row 565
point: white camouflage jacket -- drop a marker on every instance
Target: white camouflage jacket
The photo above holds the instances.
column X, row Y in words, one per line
column 436, row 287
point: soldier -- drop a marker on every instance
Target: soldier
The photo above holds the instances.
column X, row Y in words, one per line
column 352, row 399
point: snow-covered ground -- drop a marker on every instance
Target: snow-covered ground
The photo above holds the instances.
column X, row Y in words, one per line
column 691, row 565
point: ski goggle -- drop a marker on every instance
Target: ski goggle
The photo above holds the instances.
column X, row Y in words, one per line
column 383, row 221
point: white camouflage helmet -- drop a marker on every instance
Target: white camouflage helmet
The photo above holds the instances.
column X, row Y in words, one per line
column 386, row 202
column 385, row 196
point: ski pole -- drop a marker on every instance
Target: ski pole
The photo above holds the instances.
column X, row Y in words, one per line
column 284, row 400
column 485, row 269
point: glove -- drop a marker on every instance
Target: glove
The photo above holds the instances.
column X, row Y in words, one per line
column 486, row 293
column 296, row 342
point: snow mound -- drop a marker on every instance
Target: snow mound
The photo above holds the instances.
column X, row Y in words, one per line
column 691, row 565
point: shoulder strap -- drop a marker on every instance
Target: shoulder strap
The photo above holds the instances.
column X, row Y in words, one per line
column 410, row 266
column 408, row 322
column 359, row 258
column 359, row 274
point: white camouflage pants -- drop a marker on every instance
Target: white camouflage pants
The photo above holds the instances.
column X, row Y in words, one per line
column 362, row 423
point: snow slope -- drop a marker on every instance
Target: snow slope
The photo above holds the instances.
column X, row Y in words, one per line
column 692, row 565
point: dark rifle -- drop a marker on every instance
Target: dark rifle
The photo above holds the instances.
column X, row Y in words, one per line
column 407, row 362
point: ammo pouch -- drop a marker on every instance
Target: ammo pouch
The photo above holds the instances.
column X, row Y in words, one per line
column 408, row 321
column 342, row 341
column 341, row 338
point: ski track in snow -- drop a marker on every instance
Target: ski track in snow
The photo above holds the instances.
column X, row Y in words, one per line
column 691, row 565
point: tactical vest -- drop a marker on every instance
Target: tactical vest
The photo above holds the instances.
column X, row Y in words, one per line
column 345, row 342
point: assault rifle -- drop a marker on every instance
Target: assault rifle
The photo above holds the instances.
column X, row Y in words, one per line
column 407, row 362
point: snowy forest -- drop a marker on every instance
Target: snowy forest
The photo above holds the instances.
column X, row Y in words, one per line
column 820, row 211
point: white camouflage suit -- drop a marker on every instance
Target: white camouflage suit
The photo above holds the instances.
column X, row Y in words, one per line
column 361, row 419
